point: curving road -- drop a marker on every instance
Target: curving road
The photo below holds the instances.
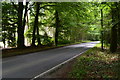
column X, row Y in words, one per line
column 30, row 65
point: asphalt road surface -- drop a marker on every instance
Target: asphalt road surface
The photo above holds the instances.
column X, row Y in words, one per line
column 31, row 65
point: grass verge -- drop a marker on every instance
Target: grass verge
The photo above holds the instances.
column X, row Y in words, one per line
column 96, row 64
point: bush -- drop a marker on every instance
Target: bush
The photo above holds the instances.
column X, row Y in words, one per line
column 64, row 42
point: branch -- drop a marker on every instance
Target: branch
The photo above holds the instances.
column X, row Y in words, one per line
column 26, row 10
column 31, row 6
column 15, row 6
column 12, row 24
column 116, row 24
column 46, row 6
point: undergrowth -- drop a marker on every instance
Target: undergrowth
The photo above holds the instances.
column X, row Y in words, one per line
column 97, row 64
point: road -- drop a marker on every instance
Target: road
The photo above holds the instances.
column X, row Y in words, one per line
column 30, row 65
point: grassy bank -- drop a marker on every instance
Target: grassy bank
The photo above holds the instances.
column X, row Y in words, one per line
column 97, row 64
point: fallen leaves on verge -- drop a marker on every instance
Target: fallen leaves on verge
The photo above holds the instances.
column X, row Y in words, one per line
column 97, row 64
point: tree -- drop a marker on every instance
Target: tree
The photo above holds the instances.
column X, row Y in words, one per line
column 36, row 26
column 21, row 24
column 57, row 27
column 20, row 41
column 113, row 44
column 9, row 24
column 55, row 22
column 102, row 39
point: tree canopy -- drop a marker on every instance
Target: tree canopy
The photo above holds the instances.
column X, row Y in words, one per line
column 54, row 23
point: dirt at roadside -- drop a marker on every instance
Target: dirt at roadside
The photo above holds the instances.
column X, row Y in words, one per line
column 63, row 71
column 106, row 66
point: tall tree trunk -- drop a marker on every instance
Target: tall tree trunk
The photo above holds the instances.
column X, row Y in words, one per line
column 36, row 26
column 21, row 24
column 102, row 30
column 119, row 33
column 57, row 27
column 119, row 23
column 20, row 30
column 113, row 44
column 38, row 37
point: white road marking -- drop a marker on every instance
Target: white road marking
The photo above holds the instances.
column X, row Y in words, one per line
column 55, row 67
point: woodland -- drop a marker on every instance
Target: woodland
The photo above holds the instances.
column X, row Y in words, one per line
column 37, row 24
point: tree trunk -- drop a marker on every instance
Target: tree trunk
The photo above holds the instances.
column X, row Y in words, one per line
column 102, row 30
column 113, row 44
column 36, row 26
column 57, row 27
column 20, row 30
column 25, row 14
column 119, row 34
column 38, row 37
column 119, row 24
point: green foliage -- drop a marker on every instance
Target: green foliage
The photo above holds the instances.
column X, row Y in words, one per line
column 75, row 21
column 9, row 24
column 61, row 41
column 47, row 41
column 78, row 21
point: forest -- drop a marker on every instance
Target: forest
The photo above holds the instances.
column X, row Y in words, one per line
column 72, row 39
column 40, row 24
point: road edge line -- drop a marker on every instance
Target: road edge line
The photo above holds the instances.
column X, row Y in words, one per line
column 57, row 66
